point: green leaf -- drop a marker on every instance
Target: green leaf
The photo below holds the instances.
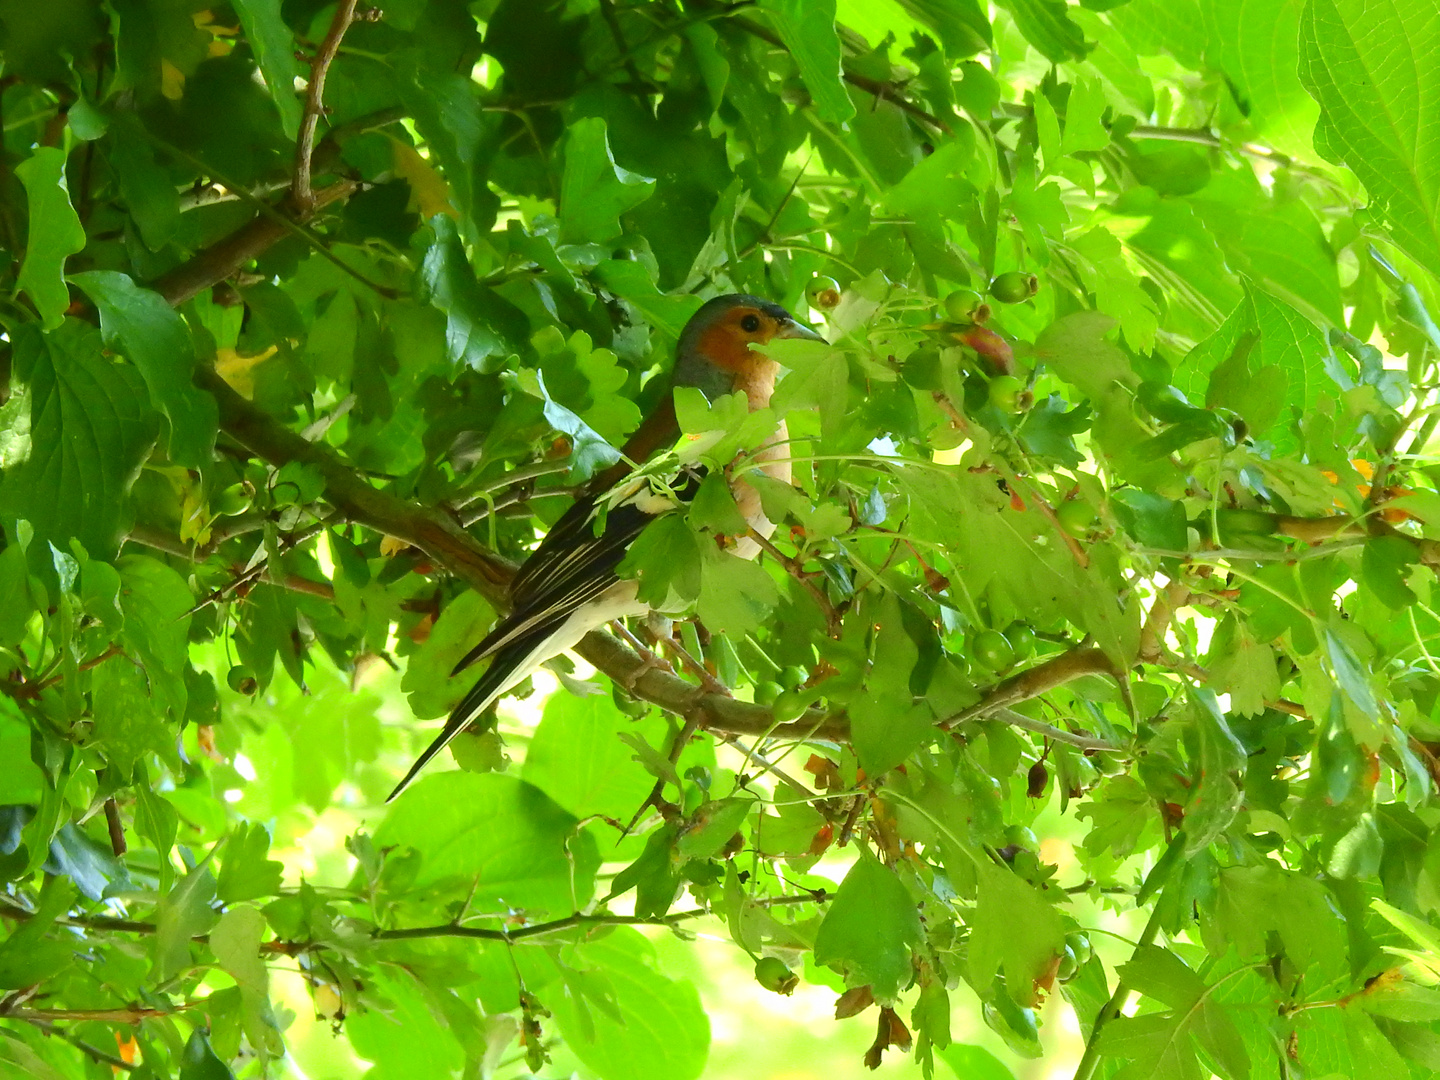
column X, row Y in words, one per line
column 506, row 836
column 1369, row 69
column 887, row 727
column 589, row 451
column 807, row 27
column 128, row 722
column 1075, row 347
column 90, row 430
column 974, row 1063
column 962, row 26
column 409, row 1039
column 199, row 1062
column 1165, row 1044
column 712, row 827
column 594, row 191
column 28, row 956
column 1254, row 901
column 449, row 283
column 869, row 929
column 630, row 280
column 657, row 1029
column 427, row 680
column 1047, row 27
column 156, row 603
column 16, row 607
column 713, row 507
column 147, row 187
column 1350, row 675
column 1385, row 564
column 665, row 559
column 156, row 339
column 183, row 913
column 235, row 941
column 1152, row 520
column 1257, row 46
column 1216, row 792
column 1012, row 930
column 55, row 233
column 245, row 872
column 577, row 758
column 736, row 595
column 274, row 48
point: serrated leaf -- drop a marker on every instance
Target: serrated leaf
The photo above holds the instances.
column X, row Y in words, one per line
column 869, row 929
column 1367, row 67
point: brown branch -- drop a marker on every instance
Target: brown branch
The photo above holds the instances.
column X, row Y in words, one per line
column 1036, row 681
column 301, row 193
column 487, row 573
column 159, row 540
column 132, row 1015
column 1152, row 635
column 116, row 829
column 227, row 255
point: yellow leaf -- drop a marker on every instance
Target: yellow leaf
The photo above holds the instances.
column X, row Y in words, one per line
column 238, row 370
column 392, row 545
column 429, row 190
column 172, row 80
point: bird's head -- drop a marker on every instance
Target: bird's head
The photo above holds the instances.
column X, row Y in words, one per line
column 714, row 353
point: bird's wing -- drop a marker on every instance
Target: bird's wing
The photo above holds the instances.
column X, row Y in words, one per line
column 567, row 588
column 573, row 565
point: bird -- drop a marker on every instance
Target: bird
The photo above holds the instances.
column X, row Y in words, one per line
column 569, row 585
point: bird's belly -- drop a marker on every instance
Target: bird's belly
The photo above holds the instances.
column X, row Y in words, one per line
column 617, row 602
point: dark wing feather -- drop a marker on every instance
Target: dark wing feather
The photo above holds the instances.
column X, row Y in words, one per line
column 571, row 567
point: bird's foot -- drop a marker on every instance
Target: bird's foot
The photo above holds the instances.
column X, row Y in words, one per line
column 699, row 669
column 649, row 660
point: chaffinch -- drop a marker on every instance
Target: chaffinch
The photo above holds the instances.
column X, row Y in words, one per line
column 568, row 586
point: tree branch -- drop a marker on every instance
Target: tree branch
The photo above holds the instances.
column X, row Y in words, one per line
column 159, row 540
column 301, row 193
column 1036, row 681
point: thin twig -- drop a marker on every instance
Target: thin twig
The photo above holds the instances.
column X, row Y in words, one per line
column 301, row 193
column 795, row 570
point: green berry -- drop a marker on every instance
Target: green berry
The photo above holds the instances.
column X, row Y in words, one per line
column 960, row 305
column 823, row 293
column 242, row 680
column 992, row 650
column 1011, row 287
column 1069, row 965
column 1075, row 516
column 1005, row 392
column 773, row 975
column 232, row 500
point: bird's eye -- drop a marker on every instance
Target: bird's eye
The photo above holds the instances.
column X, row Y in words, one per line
column 750, row 323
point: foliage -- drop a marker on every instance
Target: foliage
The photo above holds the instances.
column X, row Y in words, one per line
column 1114, row 499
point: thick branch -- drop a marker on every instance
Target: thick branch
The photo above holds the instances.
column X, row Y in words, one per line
column 227, row 255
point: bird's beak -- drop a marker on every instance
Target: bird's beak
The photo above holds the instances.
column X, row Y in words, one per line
column 792, row 329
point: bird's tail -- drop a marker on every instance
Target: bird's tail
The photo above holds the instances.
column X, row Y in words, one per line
column 509, row 666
